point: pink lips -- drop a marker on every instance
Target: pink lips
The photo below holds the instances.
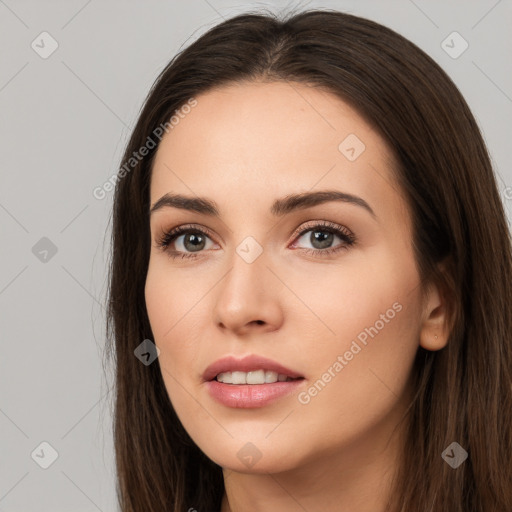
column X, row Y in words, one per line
column 249, row 396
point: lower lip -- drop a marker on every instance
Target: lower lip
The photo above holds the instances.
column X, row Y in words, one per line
column 249, row 396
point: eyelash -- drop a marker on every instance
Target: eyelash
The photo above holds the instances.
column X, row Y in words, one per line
column 346, row 236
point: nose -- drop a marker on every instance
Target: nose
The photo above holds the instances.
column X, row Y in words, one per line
column 248, row 298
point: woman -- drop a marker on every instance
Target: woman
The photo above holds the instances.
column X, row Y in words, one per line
column 368, row 370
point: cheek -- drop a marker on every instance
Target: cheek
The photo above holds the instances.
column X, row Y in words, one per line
column 179, row 308
column 363, row 328
column 365, row 291
column 169, row 313
column 361, row 379
column 171, row 295
column 169, row 303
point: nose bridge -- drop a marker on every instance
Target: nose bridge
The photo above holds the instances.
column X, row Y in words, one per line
column 248, row 274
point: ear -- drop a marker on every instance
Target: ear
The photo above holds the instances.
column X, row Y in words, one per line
column 435, row 328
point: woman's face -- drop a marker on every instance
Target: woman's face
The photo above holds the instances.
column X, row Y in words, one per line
column 338, row 304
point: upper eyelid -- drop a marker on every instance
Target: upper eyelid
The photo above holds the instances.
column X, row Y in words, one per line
column 325, row 224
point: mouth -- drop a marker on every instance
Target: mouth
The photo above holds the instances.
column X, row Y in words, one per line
column 251, row 382
column 256, row 377
column 252, row 369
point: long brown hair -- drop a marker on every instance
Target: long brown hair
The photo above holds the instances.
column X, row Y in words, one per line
column 463, row 392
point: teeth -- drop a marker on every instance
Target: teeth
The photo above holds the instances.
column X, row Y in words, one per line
column 254, row 377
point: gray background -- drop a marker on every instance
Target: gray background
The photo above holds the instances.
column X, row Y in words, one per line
column 64, row 122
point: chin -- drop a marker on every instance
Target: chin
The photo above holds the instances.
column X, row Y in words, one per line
column 251, row 454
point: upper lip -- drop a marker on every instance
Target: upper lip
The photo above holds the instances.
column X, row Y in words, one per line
column 246, row 364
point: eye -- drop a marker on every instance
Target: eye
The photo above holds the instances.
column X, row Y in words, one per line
column 190, row 241
column 193, row 239
column 322, row 236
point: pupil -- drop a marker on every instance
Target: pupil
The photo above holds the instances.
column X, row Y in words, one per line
column 324, row 239
column 195, row 240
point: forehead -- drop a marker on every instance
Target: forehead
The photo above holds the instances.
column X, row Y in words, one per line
column 271, row 139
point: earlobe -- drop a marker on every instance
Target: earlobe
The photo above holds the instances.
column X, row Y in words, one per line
column 433, row 342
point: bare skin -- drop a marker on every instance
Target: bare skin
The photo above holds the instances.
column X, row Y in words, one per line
column 243, row 147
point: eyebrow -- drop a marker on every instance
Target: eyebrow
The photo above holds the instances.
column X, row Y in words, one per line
column 279, row 208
